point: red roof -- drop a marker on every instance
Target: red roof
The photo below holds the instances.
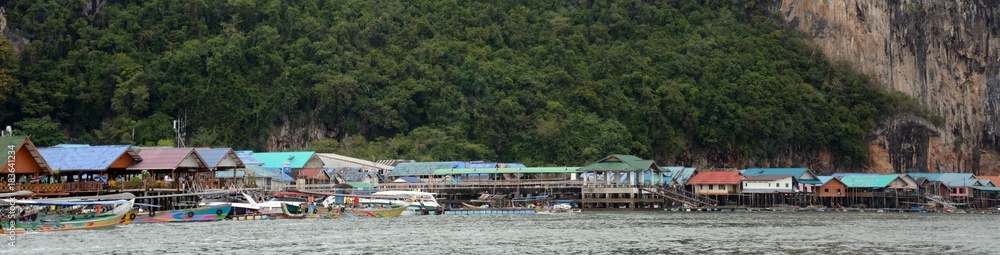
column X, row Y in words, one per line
column 716, row 177
column 310, row 173
column 164, row 159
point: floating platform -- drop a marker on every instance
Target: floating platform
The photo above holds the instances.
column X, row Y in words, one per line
column 489, row 211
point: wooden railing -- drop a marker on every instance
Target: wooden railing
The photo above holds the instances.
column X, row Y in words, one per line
column 37, row 188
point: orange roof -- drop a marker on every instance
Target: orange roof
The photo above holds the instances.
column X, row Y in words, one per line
column 717, row 177
column 994, row 178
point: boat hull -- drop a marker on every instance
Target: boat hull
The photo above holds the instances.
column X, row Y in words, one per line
column 291, row 211
column 104, row 221
column 204, row 213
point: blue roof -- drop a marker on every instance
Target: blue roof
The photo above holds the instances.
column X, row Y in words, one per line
column 248, row 159
column 70, row 145
column 213, row 156
column 683, row 175
column 411, row 179
column 83, row 159
column 275, row 174
column 949, row 179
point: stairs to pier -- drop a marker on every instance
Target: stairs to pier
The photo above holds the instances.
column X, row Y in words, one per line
column 684, row 197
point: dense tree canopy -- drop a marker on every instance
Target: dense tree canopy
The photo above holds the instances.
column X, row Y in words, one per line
column 541, row 82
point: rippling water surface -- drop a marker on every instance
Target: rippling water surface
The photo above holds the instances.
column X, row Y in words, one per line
column 586, row 233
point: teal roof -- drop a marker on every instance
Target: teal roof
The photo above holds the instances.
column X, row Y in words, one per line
column 298, row 159
column 360, row 185
column 824, row 179
column 526, row 170
column 868, row 180
column 619, row 162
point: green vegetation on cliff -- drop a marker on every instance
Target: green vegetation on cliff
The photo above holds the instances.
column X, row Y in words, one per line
column 540, row 82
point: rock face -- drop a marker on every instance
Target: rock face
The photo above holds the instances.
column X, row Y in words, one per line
column 944, row 54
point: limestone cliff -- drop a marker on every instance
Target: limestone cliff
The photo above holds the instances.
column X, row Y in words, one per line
column 944, row 54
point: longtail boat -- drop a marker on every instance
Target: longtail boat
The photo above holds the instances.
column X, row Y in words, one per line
column 42, row 215
column 297, row 212
column 204, row 213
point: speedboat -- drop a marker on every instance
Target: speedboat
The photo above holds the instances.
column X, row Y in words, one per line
column 420, row 202
column 273, row 206
column 241, row 202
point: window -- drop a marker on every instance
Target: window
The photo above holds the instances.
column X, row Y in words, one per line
column 786, row 185
column 826, row 190
column 838, row 191
column 710, row 186
column 701, row 186
column 768, row 184
column 722, row 187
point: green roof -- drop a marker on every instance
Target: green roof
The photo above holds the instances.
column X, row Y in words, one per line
column 619, row 162
column 7, row 141
column 868, row 180
column 360, row 185
column 526, row 170
column 298, row 159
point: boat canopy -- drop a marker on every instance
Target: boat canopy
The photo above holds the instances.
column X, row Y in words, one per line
column 67, row 203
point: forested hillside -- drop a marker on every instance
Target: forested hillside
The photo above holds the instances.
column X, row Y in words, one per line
column 538, row 82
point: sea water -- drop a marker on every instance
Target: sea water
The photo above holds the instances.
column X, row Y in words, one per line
column 580, row 233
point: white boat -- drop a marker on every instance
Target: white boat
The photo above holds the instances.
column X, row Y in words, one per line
column 241, row 202
column 419, row 201
column 273, row 206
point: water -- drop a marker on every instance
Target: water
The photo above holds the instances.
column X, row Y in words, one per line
column 583, row 233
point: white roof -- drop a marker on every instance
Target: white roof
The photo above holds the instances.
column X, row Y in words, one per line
column 332, row 160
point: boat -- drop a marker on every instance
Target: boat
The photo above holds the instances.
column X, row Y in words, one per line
column 202, row 213
column 292, row 211
column 419, row 202
column 473, row 207
column 564, row 206
column 242, row 203
column 273, row 206
column 49, row 215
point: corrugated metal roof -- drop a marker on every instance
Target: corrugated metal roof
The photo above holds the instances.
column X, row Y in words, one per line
column 683, row 176
column 297, row 159
column 333, row 160
column 949, row 179
column 526, row 170
column 824, row 179
column 716, row 177
column 311, row 173
column 992, row 178
column 275, row 174
column 70, row 145
column 419, row 168
column 228, row 174
column 767, row 177
column 91, row 158
column 409, row 179
column 868, row 180
column 247, row 158
column 214, row 156
column 800, row 173
column 360, row 185
column 17, row 142
column 619, row 162
column 351, row 174
column 166, row 159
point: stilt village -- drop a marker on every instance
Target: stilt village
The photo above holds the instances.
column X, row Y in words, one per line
column 181, row 177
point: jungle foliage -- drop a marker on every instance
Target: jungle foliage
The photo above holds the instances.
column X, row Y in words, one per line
column 538, row 82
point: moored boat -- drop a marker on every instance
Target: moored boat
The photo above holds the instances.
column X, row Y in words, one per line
column 43, row 215
column 203, row 213
column 344, row 211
